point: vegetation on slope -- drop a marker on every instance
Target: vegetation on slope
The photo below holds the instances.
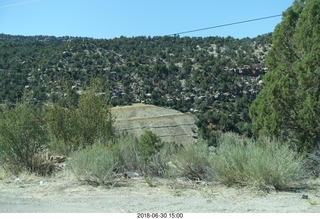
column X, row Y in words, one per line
column 216, row 78
column 53, row 75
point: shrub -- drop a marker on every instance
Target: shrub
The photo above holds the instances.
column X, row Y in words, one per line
column 193, row 162
column 154, row 155
column 265, row 163
column 312, row 162
column 22, row 136
column 81, row 125
column 231, row 159
column 59, row 147
column 94, row 118
column 63, row 128
column 125, row 151
column 42, row 165
column 149, row 145
column 158, row 163
column 94, row 164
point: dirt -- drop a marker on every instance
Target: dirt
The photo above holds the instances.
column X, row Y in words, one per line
column 63, row 193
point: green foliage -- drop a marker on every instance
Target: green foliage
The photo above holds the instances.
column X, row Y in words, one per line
column 265, row 164
column 81, row 125
column 125, row 149
column 22, row 137
column 287, row 107
column 193, row 162
column 94, row 164
column 94, row 117
column 149, row 145
column 63, row 127
column 158, row 164
column 178, row 72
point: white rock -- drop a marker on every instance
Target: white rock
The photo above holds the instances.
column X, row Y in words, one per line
column 43, row 183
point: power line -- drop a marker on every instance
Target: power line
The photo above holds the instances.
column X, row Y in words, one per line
column 224, row 25
column 18, row 4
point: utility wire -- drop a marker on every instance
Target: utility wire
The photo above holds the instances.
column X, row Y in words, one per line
column 224, row 25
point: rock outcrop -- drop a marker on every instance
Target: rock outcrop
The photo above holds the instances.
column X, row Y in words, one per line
column 170, row 125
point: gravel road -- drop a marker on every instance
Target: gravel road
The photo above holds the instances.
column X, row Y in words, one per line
column 63, row 195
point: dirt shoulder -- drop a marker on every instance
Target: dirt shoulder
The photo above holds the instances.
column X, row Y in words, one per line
column 65, row 194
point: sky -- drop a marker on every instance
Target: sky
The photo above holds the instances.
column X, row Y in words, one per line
column 114, row 18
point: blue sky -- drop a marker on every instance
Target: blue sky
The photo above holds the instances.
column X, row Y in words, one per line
column 115, row 18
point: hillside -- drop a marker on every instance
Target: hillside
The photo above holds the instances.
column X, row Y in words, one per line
column 170, row 125
column 215, row 78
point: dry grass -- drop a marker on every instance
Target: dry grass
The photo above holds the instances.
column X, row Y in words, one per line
column 314, row 201
column 3, row 174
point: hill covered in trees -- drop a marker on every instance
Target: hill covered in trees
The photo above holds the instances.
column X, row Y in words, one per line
column 215, row 78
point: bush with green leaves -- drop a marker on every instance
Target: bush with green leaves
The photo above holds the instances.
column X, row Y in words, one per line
column 193, row 162
column 94, row 117
column 23, row 134
column 79, row 126
column 149, row 145
column 94, row 164
column 63, row 127
column 265, row 163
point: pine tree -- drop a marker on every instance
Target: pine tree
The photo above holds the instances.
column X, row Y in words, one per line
column 288, row 105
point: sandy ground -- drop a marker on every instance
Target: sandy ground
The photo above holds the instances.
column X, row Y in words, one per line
column 65, row 194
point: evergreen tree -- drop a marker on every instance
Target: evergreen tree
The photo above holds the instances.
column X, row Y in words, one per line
column 288, row 105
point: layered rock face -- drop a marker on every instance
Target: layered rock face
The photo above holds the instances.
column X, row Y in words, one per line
column 170, row 125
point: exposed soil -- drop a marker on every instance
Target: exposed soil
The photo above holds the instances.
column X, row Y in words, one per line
column 170, row 125
column 63, row 193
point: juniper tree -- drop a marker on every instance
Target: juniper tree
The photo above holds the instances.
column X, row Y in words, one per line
column 288, row 105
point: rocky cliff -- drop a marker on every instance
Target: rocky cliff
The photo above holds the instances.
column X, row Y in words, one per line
column 170, row 125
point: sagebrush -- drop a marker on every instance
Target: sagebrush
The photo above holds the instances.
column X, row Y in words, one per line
column 193, row 162
column 264, row 163
column 94, row 164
